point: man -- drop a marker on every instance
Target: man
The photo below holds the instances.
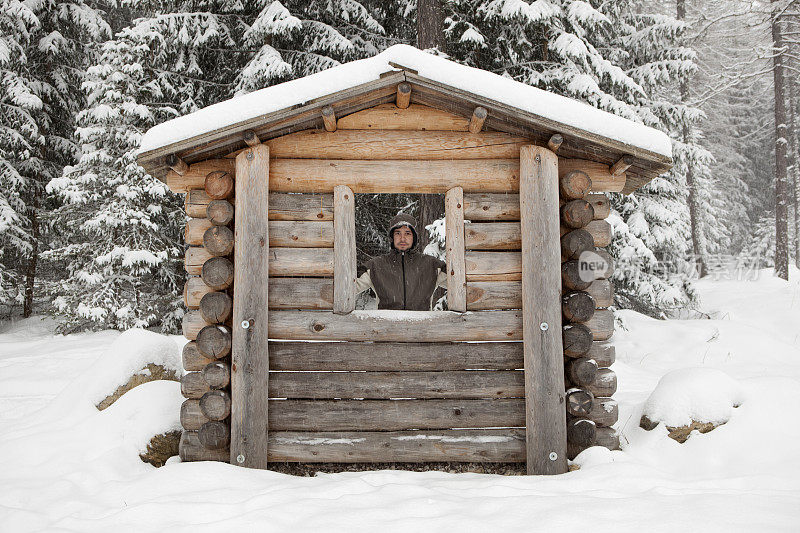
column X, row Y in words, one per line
column 403, row 278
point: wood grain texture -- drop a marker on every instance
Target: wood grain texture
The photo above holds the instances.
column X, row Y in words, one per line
column 394, row 356
column 282, row 206
column 250, row 351
column 190, row 449
column 301, row 261
column 301, row 234
column 464, row 384
column 194, row 259
column 484, row 295
column 604, row 353
column 541, row 303
column 454, row 242
column 493, row 266
column 192, row 359
column 192, row 417
column 394, row 415
column 193, row 291
column 394, row 176
column 395, row 144
column 493, row 236
column 599, row 173
column 463, row 445
column 602, row 324
column 505, row 206
column 435, row 326
column 301, row 293
column 602, row 290
column 192, row 323
column 415, row 117
column 344, row 250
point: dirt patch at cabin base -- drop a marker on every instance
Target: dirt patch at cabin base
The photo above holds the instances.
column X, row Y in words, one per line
column 160, row 448
column 680, row 433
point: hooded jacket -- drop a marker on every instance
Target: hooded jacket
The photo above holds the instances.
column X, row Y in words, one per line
column 403, row 280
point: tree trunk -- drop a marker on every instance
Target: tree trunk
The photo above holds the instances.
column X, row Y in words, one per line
column 431, row 207
column 430, row 25
column 30, row 268
column 794, row 143
column 698, row 247
column 781, row 193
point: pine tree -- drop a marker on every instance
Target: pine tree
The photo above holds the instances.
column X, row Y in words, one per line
column 38, row 119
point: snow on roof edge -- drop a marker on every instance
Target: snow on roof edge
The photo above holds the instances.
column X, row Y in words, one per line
column 476, row 81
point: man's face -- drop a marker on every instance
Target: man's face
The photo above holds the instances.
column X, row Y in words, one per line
column 403, row 238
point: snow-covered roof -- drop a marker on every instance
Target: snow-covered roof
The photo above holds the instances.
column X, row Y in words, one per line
column 557, row 113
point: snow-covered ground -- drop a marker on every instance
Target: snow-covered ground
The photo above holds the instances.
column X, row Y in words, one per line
column 64, row 466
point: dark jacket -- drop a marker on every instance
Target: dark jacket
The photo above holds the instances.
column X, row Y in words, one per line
column 403, row 280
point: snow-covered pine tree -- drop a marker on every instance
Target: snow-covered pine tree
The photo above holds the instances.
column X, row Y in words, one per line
column 119, row 228
column 43, row 52
column 292, row 39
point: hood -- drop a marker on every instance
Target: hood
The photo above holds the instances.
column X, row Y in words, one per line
column 403, row 219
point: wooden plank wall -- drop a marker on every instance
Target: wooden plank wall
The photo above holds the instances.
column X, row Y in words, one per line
column 417, row 380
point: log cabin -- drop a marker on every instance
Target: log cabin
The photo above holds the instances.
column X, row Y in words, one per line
column 282, row 368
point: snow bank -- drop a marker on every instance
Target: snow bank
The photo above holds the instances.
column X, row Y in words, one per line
column 480, row 82
column 694, row 394
column 128, row 355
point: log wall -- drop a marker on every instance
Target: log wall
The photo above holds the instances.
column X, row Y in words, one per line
column 369, row 388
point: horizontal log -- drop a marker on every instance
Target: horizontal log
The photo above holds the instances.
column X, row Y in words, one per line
column 195, row 228
column 482, row 295
column 491, row 206
column 193, row 360
column 215, row 405
column 608, row 438
column 391, row 326
column 493, row 266
column 603, row 353
column 192, row 323
column 394, row 356
column 605, row 384
column 581, row 431
column 220, row 212
column 492, row 236
column 577, row 340
column 602, row 290
column 301, row 293
column 581, row 371
column 217, row 273
column 394, row 176
column 214, row 341
column 395, row 144
column 192, row 417
column 219, row 184
column 282, row 206
column 577, row 306
column 609, row 263
column 601, row 324
column 217, row 374
column 573, row 278
column 301, row 234
column 193, row 385
column 394, row 415
column 415, row 117
column 288, row 233
column 605, row 412
column 218, row 241
column 190, row 449
column 193, row 291
column 195, row 177
column 300, row 262
column 385, row 385
column 601, row 232
column 601, row 205
column 599, row 173
column 464, row 445
column 195, row 257
column 505, row 206
column 576, row 242
column 576, row 213
column 574, row 185
column 215, row 435
column 216, row 307
column 196, row 203
column 579, row 402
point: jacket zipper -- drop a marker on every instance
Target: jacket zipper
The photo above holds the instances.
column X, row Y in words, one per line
column 403, row 259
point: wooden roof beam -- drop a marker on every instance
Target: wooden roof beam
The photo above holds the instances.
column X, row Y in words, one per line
column 329, row 118
column 478, row 118
column 623, row 164
column 554, row 143
column 251, row 138
column 176, row 164
column 403, row 95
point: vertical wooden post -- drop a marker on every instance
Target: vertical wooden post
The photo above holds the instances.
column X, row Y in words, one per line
column 454, row 237
column 250, row 358
column 545, row 415
column 344, row 250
